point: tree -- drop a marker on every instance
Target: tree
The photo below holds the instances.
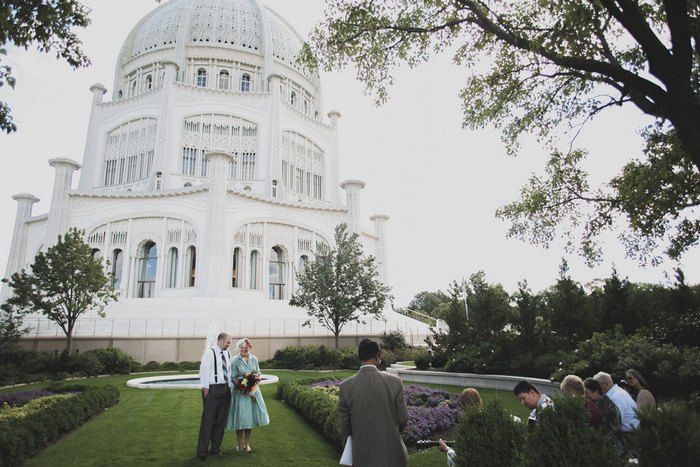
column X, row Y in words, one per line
column 340, row 285
column 11, row 329
column 49, row 25
column 554, row 65
column 65, row 283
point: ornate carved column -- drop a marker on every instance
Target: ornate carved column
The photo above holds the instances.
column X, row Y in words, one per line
column 18, row 248
column 212, row 270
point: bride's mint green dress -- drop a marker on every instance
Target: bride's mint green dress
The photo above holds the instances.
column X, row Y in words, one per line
column 244, row 413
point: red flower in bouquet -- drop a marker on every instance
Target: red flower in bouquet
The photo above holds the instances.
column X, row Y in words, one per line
column 248, row 383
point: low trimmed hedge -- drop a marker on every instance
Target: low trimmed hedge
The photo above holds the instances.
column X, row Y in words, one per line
column 21, row 438
column 318, row 408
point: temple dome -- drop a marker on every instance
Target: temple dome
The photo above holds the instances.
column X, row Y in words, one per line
column 183, row 28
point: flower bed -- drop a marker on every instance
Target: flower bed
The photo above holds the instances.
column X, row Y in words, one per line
column 21, row 398
column 429, row 410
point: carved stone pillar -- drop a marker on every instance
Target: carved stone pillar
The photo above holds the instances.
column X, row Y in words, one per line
column 352, row 189
column 60, row 202
column 380, row 229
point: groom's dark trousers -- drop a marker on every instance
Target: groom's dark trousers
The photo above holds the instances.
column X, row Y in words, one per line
column 214, row 418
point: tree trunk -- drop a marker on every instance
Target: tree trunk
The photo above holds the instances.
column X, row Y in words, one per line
column 69, row 340
column 336, row 339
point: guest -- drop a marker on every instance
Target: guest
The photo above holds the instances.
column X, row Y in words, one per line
column 623, row 384
column 215, row 380
column 640, row 388
column 372, row 409
column 247, row 408
column 627, row 408
column 612, row 423
column 529, row 396
column 573, row 386
column 469, row 397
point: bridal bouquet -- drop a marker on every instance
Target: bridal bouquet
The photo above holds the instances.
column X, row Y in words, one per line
column 248, row 384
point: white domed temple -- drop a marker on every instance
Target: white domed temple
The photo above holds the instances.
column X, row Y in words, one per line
column 208, row 179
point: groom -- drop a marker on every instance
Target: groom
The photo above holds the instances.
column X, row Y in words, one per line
column 215, row 379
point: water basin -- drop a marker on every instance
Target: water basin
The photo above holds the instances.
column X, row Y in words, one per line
column 179, row 381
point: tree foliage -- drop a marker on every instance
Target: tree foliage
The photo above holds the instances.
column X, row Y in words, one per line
column 552, row 66
column 48, row 24
column 65, row 283
column 340, row 285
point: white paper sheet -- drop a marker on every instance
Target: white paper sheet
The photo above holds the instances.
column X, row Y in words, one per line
column 346, row 458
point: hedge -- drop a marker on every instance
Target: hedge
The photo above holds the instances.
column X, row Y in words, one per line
column 22, row 438
column 318, row 408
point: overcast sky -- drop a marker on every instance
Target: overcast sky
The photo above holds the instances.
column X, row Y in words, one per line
column 439, row 184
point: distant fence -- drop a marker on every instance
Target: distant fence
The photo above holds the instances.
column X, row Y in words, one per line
column 116, row 327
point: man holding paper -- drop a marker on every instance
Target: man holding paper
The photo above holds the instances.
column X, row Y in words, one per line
column 373, row 410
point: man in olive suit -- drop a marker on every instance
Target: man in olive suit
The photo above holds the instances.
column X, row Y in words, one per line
column 373, row 410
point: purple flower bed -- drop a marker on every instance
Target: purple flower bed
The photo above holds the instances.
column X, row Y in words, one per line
column 18, row 399
column 429, row 410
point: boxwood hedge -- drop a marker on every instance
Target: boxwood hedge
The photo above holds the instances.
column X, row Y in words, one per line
column 21, row 438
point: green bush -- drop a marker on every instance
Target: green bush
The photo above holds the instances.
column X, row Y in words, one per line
column 137, row 367
column 669, row 436
column 170, row 366
column 319, row 408
column 422, row 360
column 311, row 357
column 487, row 436
column 89, row 364
column 562, row 437
column 393, row 340
column 188, row 366
column 21, row 438
column 115, row 360
column 152, row 366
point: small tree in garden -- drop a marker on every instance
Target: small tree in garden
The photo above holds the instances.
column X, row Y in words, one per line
column 11, row 329
column 340, row 285
column 65, row 283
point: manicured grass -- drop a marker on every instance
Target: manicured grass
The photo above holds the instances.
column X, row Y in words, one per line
column 406, row 363
column 160, row 427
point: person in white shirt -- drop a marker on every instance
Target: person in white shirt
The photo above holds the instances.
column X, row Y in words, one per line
column 215, row 381
column 627, row 407
column 529, row 396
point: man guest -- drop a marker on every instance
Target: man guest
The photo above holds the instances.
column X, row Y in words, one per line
column 528, row 395
column 373, row 410
column 215, row 379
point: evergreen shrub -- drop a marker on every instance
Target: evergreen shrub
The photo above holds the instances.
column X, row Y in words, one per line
column 311, row 357
column 669, row 436
column 152, row 366
column 393, row 340
column 115, row 360
column 487, row 436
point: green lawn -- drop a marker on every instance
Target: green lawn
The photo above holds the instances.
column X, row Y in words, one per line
column 160, row 427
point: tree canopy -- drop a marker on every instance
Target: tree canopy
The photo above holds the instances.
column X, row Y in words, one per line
column 48, row 24
column 340, row 285
column 65, row 283
column 548, row 67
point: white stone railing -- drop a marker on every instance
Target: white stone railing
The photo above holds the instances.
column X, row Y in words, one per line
column 116, row 327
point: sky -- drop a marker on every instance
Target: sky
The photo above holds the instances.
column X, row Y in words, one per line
column 439, row 183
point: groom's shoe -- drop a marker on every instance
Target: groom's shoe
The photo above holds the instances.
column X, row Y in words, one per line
column 201, row 458
column 216, row 453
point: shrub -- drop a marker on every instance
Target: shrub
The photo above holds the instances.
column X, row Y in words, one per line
column 488, row 436
column 422, row 361
column 188, row 366
column 311, row 357
column 137, row 367
column 562, row 437
column 89, row 364
column 393, row 340
column 669, row 436
column 21, row 438
column 170, row 366
column 152, row 366
column 115, row 360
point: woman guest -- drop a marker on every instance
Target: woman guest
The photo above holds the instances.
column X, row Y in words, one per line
column 247, row 406
column 469, row 397
column 639, row 385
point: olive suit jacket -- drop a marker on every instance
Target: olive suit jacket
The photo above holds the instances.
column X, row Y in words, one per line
column 372, row 409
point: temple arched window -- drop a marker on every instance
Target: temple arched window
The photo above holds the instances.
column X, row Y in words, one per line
column 224, row 80
column 129, row 152
column 274, row 188
column 172, row 268
column 253, row 268
column 149, row 82
column 245, row 83
column 276, row 274
column 303, row 261
column 191, row 266
column 148, row 264
column 96, row 253
column 117, row 264
column 202, row 78
column 302, row 165
column 293, row 99
column 159, row 181
column 236, row 269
